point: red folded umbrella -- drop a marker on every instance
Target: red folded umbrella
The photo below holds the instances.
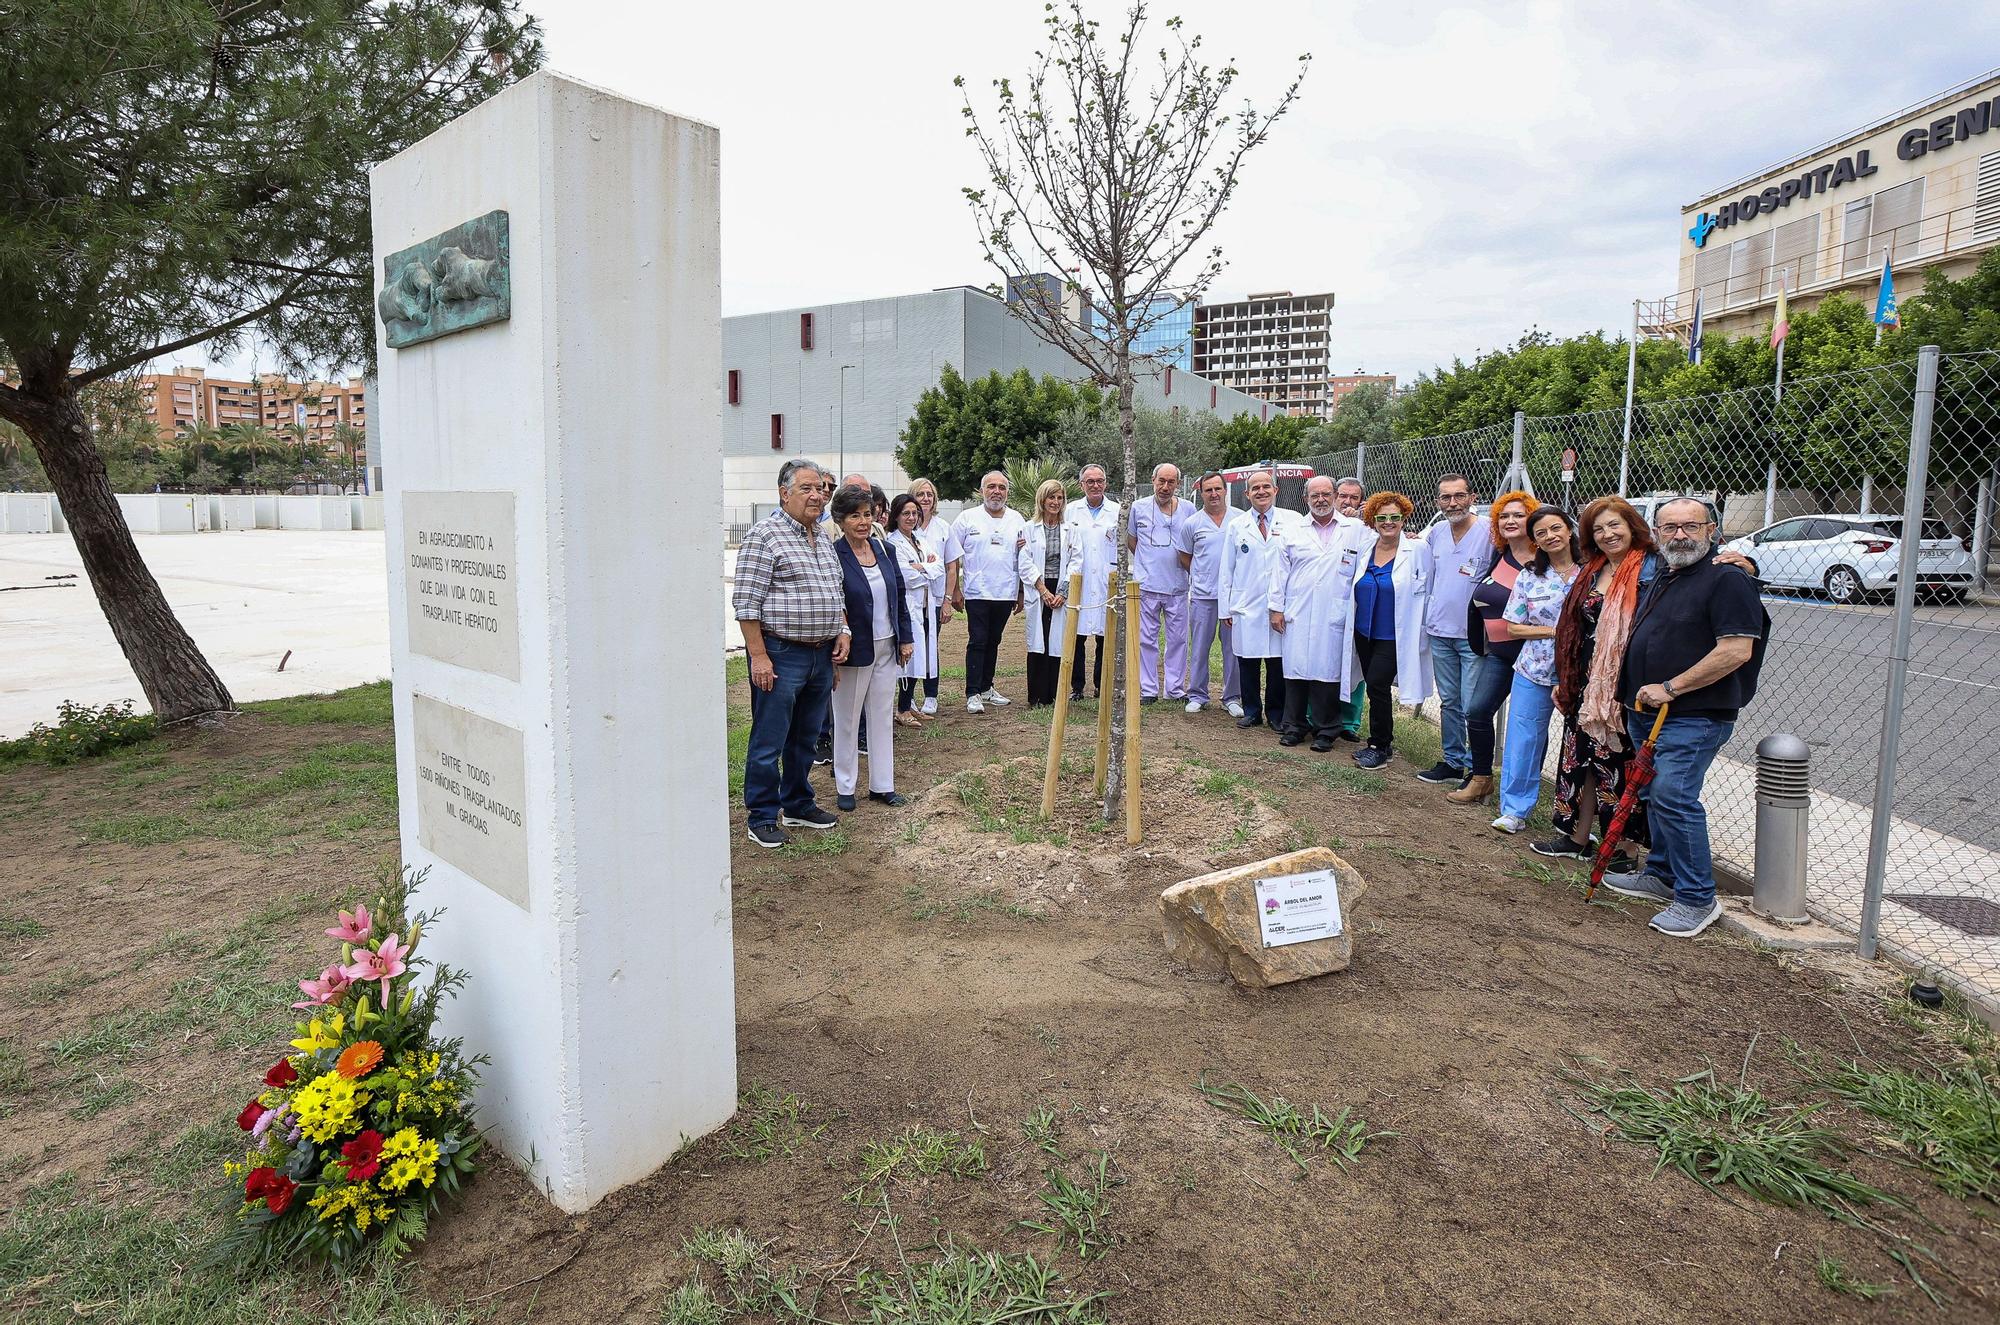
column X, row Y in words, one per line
column 1637, row 774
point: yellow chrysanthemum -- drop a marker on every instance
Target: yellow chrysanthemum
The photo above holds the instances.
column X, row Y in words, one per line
column 327, row 1106
column 411, row 1159
column 331, row 1202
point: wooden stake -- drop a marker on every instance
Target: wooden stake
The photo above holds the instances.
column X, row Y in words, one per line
column 1061, row 718
column 1132, row 713
column 1105, row 692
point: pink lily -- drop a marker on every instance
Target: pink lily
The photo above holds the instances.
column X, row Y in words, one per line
column 384, row 963
column 354, row 927
column 332, row 983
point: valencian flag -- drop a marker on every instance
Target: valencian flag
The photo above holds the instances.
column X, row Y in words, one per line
column 1781, row 318
column 1885, row 300
column 1694, row 332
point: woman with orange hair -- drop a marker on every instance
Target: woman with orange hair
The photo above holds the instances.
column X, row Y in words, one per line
column 1388, row 593
column 1487, row 633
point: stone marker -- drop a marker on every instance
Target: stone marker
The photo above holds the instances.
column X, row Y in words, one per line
column 1212, row 923
column 554, row 524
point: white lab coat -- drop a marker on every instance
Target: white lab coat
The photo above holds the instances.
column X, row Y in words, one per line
column 1309, row 584
column 1097, row 541
column 923, row 589
column 1033, row 561
column 1243, row 585
column 1412, row 574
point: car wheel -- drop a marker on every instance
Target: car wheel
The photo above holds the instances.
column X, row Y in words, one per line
column 1843, row 585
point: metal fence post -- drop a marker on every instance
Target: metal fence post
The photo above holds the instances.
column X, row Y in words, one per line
column 1631, row 381
column 1899, row 651
column 1982, row 532
column 1517, row 470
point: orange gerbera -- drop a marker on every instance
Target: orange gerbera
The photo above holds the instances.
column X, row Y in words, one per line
column 359, row 1059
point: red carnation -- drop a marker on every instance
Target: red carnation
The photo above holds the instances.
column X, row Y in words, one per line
column 281, row 1075
column 363, row 1156
column 280, row 1194
column 251, row 1113
column 259, row 1182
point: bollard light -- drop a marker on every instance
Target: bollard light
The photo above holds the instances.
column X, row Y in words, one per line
column 1784, row 800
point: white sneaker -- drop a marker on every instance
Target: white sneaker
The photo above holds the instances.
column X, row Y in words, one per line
column 973, row 705
column 1233, row 709
column 995, row 697
column 930, row 706
column 1509, row 823
column 1195, row 706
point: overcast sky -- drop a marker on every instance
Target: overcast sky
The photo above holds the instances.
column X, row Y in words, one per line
column 1454, row 174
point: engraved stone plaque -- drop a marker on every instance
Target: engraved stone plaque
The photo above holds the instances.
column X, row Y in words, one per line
column 459, row 579
column 471, row 786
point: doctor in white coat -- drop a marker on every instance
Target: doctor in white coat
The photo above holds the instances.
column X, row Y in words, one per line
column 1096, row 520
column 1251, row 541
column 1049, row 548
column 1388, row 594
column 1308, row 610
column 923, row 591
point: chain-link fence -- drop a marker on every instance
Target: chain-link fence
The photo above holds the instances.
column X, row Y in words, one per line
column 1867, row 499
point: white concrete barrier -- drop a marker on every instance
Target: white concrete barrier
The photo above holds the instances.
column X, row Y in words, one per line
column 367, row 512
column 320, row 513
column 238, row 512
column 267, row 511
column 158, row 512
column 27, row 513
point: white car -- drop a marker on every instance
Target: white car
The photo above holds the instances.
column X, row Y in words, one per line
column 1851, row 556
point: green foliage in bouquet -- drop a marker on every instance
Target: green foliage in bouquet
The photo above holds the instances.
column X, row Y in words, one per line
column 365, row 1128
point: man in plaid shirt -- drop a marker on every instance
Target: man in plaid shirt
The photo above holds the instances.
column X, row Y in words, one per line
column 789, row 604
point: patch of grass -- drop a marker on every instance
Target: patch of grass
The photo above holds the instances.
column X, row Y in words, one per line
column 100, row 1093
column 1948, row 1123
column 190, row 1162
column 739, row 745
column 1340, row 1138
column 1042, row 1128
column 1078, row 1212
column 14, row 1079
column 1570, row 880
column 828, row 843
column 21, row 927
column 58, row 986
column 919, row 1151
column 64, row 1256
column 973, row 793
column 768, row 1123
column 1953, row 1023
column 911, row 833
column 922, row 907
column 966, row 1286
column 1831, row 1272
column 1224, row 783
column 329, row 791
column 749, row 1284
column 1050, row 1040
column 1345, row 777
column 370, row 705
column 139, row 830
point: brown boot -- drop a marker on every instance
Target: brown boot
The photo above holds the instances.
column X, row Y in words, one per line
column 1477, row 789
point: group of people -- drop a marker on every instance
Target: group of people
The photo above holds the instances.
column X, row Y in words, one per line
column 1599, row 618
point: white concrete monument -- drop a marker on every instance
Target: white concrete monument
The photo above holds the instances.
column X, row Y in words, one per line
column 554, row 541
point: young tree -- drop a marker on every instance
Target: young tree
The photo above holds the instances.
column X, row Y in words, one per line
column 1094, row 169
column 174, row 172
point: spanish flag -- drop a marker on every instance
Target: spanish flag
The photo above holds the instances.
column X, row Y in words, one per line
column 1781, row 318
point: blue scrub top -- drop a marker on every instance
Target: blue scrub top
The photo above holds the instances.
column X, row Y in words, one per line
column 1375, row 600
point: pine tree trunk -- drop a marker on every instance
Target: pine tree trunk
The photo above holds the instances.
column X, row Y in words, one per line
column 1114, row 694
column 176, row 678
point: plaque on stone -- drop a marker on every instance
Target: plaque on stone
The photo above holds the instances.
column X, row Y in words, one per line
column 471, row 786
column 460, row 579
column 451, row 282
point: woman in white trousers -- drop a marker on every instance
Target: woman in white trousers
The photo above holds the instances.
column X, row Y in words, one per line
column 880, row 641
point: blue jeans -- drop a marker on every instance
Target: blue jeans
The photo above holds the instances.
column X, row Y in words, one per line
column 785, row 724
column 1484, row 697
column 1528, row 709
column 1454, row 664
column 1687, row 746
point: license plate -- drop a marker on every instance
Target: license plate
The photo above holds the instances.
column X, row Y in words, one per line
column 1933, row 554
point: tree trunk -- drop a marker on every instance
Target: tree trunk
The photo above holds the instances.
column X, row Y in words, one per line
column 177, row 679
column 1114, row 694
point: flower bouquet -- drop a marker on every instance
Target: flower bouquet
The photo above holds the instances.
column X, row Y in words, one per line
column 366, row 1126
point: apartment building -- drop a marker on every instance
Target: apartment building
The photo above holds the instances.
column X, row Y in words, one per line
column 1339, row 386
column 183, row 397
column 1920, row 188
column 1274, row 346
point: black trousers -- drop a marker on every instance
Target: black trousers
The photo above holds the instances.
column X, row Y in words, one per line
column 1378, row 669
column 1045, row 669
column 1096, row 667
column 985, row 622
column 1273, row 709
column 1320, row 699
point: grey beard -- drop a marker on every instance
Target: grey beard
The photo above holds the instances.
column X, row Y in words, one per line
column 1681, row 555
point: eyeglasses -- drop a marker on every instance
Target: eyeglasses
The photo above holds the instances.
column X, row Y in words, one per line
column 1687, row 527
column 1388, row 518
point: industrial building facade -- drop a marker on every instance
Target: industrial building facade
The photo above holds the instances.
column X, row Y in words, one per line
column 838, row 382
column 1920, row 188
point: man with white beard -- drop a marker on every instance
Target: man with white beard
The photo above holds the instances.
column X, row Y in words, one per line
column 1094, row 518
column 1308, row 606
column 1697, row 644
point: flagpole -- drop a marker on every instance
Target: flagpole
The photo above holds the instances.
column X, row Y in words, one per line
column 1631, row 376
column 1878, row 299
column 1778, row 391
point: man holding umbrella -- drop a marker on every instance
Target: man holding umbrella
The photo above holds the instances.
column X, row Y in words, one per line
column 1696, row 646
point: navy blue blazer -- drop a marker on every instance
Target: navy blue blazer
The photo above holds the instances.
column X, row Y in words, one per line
column 861, row 604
